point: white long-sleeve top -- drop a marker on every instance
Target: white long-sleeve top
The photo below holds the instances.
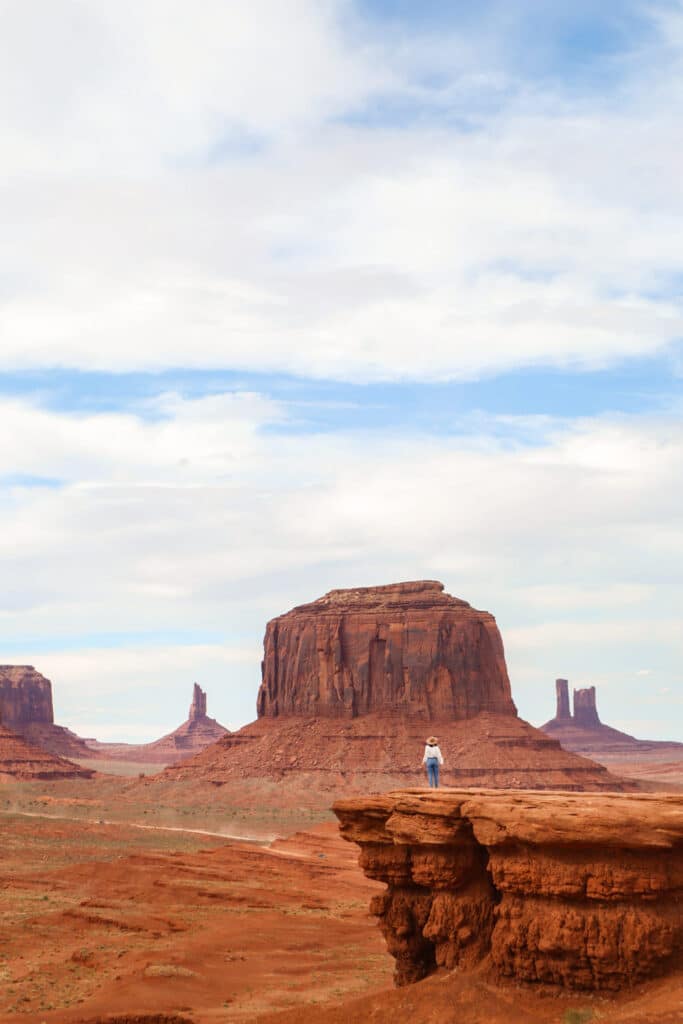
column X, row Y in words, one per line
column 432, row 751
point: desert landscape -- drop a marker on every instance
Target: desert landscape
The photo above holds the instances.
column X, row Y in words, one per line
column 341, row 545
column 221, row 886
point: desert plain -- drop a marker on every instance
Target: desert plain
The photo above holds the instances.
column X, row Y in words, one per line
column 132, row 901
column 219, row 887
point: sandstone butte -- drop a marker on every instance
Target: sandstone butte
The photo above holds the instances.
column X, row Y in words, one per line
column 24, row 761
column 354, row 682
column 582, row 891
column 196, row 733
column 26, row 709
column 584, row 731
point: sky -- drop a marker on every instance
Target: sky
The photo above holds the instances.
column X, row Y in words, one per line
column 306, row 294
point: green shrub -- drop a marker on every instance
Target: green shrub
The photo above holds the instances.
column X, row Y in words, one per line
column 577, row 1016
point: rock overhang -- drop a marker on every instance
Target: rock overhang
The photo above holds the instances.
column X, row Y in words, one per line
column 582, row 891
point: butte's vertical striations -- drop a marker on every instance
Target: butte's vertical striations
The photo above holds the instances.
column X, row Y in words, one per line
column 406, row 647
column 25, row 697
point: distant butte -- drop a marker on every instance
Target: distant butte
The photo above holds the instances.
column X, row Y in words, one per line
column 196, row 733
column 352, row 684
column 26, row 709
column 583, row 732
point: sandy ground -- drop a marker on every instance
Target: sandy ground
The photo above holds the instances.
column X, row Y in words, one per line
column 102, row 919
column 159, row 920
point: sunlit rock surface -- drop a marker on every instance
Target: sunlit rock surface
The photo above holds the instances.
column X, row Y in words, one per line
column 581, row 891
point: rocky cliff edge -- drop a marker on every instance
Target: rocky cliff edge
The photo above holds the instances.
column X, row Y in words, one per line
column 583, row 891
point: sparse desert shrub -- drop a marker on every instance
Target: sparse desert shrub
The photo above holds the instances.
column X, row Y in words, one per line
column 578, row 1016
column 168, row 971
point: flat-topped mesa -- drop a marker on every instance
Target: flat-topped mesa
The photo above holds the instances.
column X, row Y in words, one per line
column 406, row 647
column 551, row 888
column 25, row 697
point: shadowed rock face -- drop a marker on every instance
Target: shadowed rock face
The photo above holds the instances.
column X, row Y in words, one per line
column 25, row 696
column 406, row 647
column 556, row 888
column 25, row 761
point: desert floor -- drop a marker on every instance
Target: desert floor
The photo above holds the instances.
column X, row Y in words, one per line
column 128, row 902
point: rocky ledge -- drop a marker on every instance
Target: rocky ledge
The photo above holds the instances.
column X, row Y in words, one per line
column 583, row 891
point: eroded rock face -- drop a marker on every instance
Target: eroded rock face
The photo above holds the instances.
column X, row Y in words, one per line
column 26, row 708
column 405, row 647
column 24, row 761
column 584, row 892
column 25, row 696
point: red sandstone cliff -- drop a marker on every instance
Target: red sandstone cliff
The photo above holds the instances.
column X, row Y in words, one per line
column 352, row 683
column 24, row 761
column 585, row 893
column 26, row 708
column 407, row 646
column 25, row 696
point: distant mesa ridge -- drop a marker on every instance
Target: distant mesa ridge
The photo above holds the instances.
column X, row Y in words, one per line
column 26, row 709
column 583, row 731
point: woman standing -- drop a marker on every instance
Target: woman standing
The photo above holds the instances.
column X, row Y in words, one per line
column 432, row 758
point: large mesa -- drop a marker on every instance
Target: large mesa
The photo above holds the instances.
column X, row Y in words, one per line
column 406, row 647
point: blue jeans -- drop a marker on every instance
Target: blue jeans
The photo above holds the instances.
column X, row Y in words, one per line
column 433, row 771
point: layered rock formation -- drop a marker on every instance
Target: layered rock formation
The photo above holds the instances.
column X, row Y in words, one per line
column 196, row 733
column 581, row 892
column 25, row 697
column 584, row 732
column 24, row 761
column 407, row 647
column 352, row 684
column 26, row 709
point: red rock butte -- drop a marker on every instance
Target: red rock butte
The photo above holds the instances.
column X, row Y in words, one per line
column 196, row 733
column 406, row 647
column 26, row 709
column 584, row 732
column 352, row 684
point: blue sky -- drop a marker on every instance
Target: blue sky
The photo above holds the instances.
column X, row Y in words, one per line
column 300, row 295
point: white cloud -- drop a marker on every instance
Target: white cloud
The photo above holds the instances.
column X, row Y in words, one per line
column 201, row 524
column 311, row 245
